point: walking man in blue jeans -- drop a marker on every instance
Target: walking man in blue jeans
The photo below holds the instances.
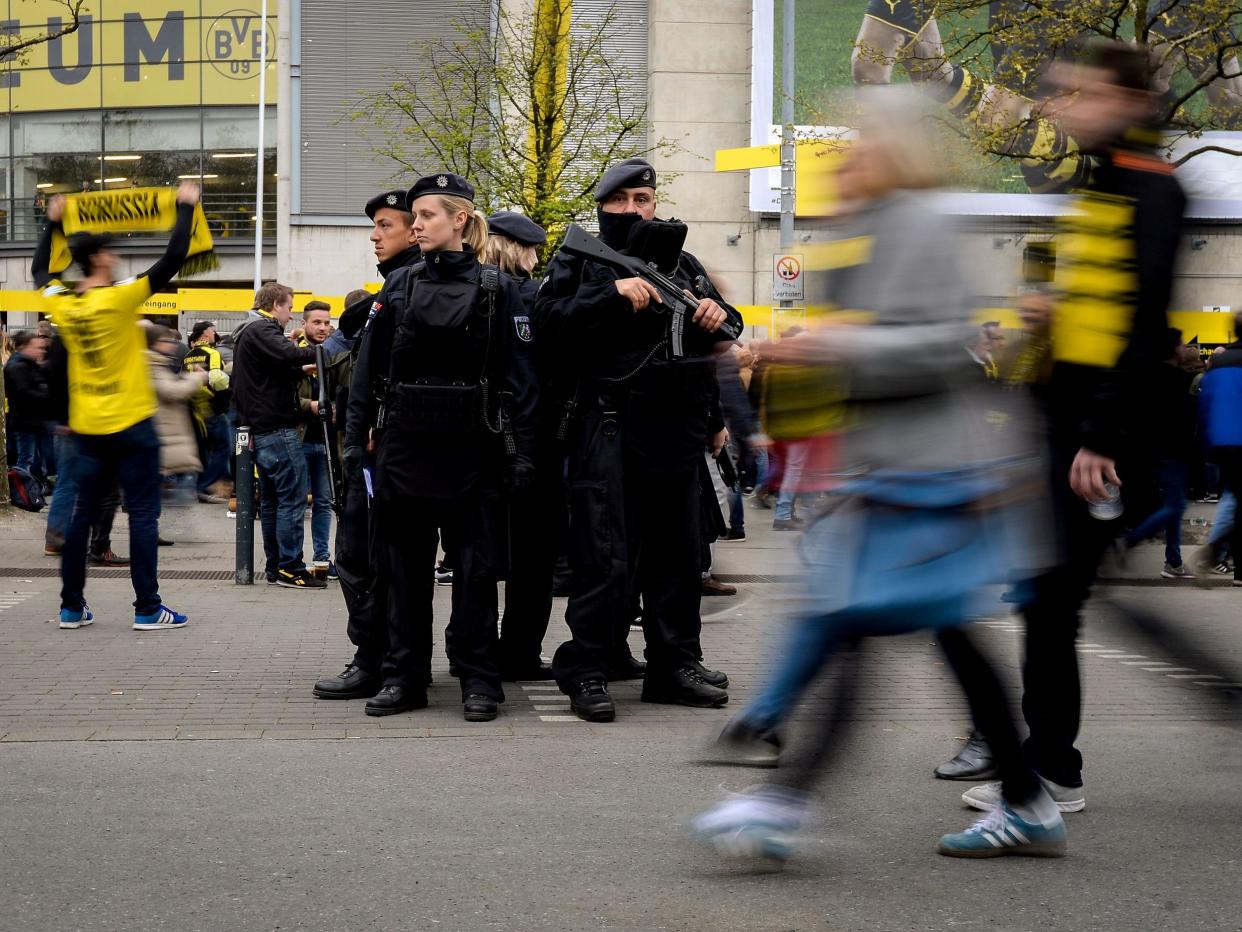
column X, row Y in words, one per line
column 267, row 368
column 112, row 405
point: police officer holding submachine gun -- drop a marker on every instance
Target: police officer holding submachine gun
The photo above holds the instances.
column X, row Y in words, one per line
column 444, row 393
column 366, row 590
column 639, row 411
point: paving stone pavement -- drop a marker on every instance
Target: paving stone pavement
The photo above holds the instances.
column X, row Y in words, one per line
column 245, row 665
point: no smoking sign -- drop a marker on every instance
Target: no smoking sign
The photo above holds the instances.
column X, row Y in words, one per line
column 787, row 277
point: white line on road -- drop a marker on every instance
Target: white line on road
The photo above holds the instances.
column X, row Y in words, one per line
column 558, row 718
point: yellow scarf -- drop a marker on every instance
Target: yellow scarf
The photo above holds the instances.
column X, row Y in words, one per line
column 132, row 210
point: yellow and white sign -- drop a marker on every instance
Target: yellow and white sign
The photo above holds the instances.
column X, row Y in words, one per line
column 137, row 53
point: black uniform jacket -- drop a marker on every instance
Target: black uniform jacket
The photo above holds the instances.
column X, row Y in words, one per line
column 599, row 342
column 429, row 326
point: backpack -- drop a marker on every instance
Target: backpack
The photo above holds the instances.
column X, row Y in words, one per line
column 25, row 491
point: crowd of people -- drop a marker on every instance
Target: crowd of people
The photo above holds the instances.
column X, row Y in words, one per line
column 596, row 434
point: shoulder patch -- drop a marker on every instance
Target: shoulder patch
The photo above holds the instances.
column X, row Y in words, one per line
column 522, row 326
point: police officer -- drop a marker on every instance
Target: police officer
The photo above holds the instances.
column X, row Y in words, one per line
column 365, row 591
column 642, row 421
column 537, row 521
column 450, row 417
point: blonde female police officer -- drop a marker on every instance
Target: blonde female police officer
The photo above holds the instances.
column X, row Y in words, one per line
column 444, row 393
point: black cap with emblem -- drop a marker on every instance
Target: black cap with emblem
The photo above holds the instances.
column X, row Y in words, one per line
column 440, row 183
column 393, row 199
column 517, row 227
column 632, row 173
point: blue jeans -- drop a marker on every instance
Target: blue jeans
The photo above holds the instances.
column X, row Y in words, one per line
column 795, row 463
column 36, row 452
column 132, row 458
column 216, row 449
column 1171, row 475
column 66, row 493
column 321, row 491
column 282, row 487
column 1222, row 522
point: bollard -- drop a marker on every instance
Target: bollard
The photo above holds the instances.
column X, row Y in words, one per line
column 243, row 569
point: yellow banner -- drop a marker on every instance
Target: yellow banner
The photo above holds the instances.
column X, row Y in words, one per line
column 138, row 53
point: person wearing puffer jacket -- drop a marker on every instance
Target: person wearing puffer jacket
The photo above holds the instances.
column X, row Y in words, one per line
column 178, row 444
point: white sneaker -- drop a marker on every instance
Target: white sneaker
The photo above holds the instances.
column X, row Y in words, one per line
column 988, row 796
column 1176, row 572
column 760, row 822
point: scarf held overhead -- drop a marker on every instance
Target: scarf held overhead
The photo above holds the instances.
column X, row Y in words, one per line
column 133, row 210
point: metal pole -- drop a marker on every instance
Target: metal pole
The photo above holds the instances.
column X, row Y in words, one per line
column 243, row 482
column 788, row 151
column 258, row 184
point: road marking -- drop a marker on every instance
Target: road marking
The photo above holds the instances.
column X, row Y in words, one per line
column 558, row 718
column 559, row 707
column 549, row 687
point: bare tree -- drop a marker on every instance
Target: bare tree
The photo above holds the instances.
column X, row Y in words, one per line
column 528, row 108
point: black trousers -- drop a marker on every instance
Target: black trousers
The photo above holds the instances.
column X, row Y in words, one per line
column 811, row 755
column 1052, row 688
column 633, row 526
column 538, row 523
column 410, row 530
column 359, row 562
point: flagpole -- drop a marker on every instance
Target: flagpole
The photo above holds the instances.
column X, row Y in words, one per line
column 258, row 185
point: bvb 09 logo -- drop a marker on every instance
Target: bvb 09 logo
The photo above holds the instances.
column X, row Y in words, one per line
column 233, row 44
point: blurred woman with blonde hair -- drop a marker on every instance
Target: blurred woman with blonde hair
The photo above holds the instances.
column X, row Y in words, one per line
column 513, row 245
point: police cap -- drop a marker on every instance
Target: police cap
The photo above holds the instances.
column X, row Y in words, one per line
column 632, row 173
column 440, row 183
column 517, row 227
column 393, row 199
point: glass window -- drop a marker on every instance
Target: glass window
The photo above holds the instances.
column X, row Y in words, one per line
column 67, row 131
column 152, row 130
column 53, row 153
column 229, row 128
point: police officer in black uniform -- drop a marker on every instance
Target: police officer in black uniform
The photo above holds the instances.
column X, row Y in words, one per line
column 640, row 423
column 538, row 522
column 365, row 590
column 445, row 395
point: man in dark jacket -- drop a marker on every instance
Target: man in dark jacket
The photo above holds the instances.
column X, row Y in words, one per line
column 1220, row 412
column 1107, row 339
column 26, row 390
column 267, row 368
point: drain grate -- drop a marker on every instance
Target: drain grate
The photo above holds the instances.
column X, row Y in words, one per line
column 46, row 572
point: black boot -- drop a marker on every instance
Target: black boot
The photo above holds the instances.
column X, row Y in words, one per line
column 352, row 683
column 394, row 699
column 628, row 667
column 744, row 745
column 534, row 672
column 973, row 761
column 683, row 686
column 479, row 708
column 715, row 677
column 591, row 702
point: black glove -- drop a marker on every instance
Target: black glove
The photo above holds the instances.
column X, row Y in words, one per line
column 352, row 460
column 520, row 478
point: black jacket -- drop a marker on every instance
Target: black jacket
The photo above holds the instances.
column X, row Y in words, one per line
column 429, row 326
column 266, row 371
column 25, row 389
column 1119, row 267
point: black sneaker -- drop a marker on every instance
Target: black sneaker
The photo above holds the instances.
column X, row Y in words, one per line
column 746, row 746
column 477, row 707
column 684, row 686
column 736, row 534
column 299, row 579
column 272, row 578
column 591, row 702
column 444, row 574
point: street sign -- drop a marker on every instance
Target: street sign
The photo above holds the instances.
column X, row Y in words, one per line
column 787, row 277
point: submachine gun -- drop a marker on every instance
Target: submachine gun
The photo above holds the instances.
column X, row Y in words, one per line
column 679, row 305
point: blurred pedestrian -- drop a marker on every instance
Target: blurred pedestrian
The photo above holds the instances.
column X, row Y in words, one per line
column 174, row 422
column 912, row 531
column 210, row 406
column 316, row 328
column 26, row 393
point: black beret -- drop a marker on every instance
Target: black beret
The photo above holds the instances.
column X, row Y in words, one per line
column 518, row 227
column 632, row 173
column 393, row 199
column 442, row 183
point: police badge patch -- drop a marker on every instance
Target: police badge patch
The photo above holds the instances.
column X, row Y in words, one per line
column 522, row 326
column 442, row 181
column 392, row 200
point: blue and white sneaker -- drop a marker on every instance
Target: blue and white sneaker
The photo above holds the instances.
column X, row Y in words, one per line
column 70, row 619
column 1002, row 831
column 759, row 823
column 162, row 619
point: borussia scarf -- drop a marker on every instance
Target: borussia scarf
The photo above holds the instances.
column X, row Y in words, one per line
column 133, row 210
